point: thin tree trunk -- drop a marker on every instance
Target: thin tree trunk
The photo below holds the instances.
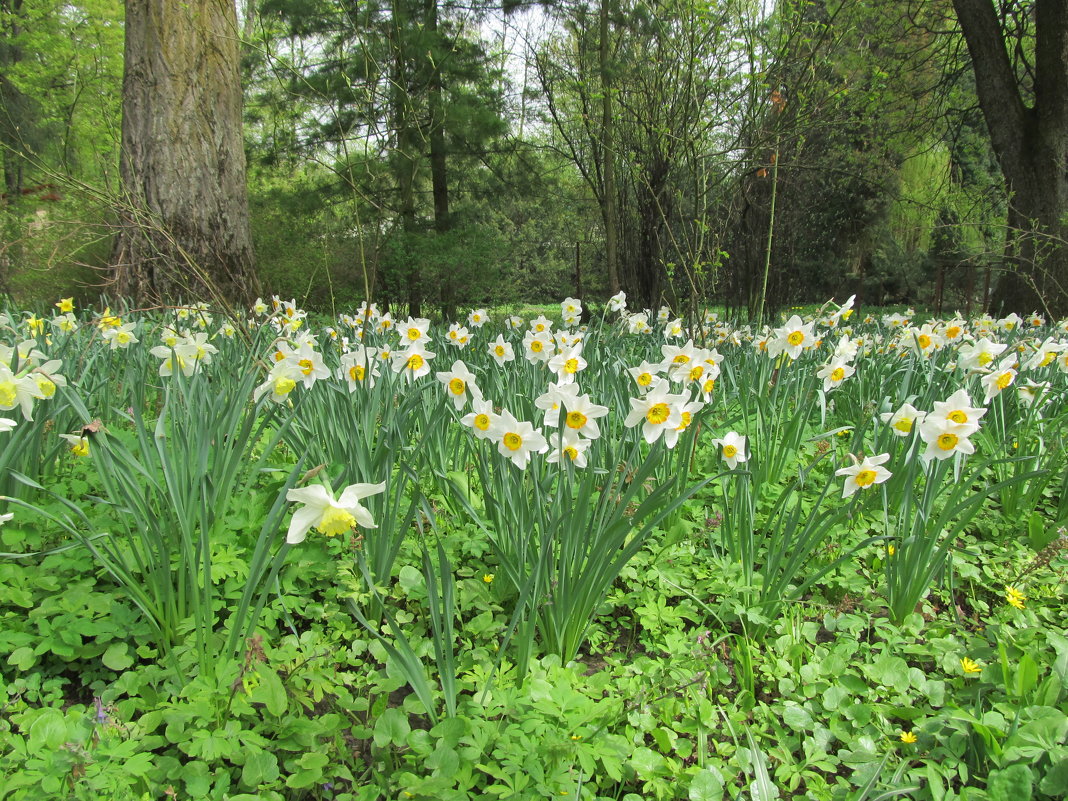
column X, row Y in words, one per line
column 609, row 211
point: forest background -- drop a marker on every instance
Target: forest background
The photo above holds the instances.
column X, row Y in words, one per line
column 435, row 154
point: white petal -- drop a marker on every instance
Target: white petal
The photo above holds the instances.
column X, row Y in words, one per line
column 356, row 492
column 303, row 519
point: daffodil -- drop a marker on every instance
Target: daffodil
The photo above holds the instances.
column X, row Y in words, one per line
column 459, row 383
column 538, row 346
column 944, row 438
column 732, row 448
column 413, row 361
column 480, row 419
column 864, row 474
column 327, row 515
column 414, row 331
column 359, row 368
column 834, row 373
column 791, row 339
column 477, row 318
column 581, row 415
column 501, row 351
column 903, row 420
column 957, row 410
column 516, row 439
column 658, row 411
column 17, row 390
column 645, row 374
column 567, row 446
column 567, row 363
column 1001, row 377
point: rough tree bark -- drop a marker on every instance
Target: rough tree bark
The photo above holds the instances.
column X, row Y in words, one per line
column 1031, row 144
column 184, row 226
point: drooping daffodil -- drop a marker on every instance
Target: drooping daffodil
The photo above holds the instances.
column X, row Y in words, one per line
column 327, row 515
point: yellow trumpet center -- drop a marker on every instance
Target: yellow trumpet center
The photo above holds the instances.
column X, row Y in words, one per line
column 947, row 441
column 415, row 361
column 512, row 441
column 335, row 521
column 576, row 420
column 7, row 394
column 730, row 451
column 658, row 414
column 796, row 338
column 865, row 478
column 457, row 386
column 283, row 385
column 482, row 422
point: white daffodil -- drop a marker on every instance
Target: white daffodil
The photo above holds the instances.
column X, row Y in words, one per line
column 567, row 446
column 686, row 412
column 834, row 373
column 551, row 401
column 864, row 473
column 645, row 374
column 1000, row 378
column 658, row 411
column 459, row 384
column 517, row 439
column 17, row 391
column 414, row 331
column 975, row 355
column 480, row 419
column 567, row 363
column 791, row 338
column 359, row 367
column 538, row 346
column 541, row 324
column 414, row 362
column 618, row 302
column 7, row 424
column 945, row 438
column 282, row 380
column 326, row 515
column 903, row 420
column 581, row 416
column 477, row 318
column 958, row 411
column 732, row 448
column 501, row 351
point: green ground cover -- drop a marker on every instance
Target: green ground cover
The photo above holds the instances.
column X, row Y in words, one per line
column 643, row 558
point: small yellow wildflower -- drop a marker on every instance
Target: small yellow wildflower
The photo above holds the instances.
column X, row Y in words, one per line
column 488, row 578
column 970, row 666
column 908, row 737
column 1014, row 597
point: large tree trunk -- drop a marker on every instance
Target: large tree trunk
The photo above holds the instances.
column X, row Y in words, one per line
column 1031, row 144
column 184, row 219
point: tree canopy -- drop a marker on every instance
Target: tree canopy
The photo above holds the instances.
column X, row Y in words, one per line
column 427, row 153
